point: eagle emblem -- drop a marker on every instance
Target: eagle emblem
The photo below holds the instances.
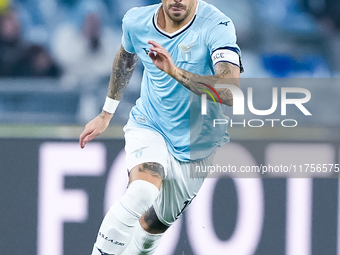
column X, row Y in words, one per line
column 186, row 53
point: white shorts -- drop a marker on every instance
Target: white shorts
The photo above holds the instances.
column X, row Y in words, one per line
column 178, row 187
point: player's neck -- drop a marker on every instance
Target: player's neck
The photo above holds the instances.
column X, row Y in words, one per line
column 170, row 26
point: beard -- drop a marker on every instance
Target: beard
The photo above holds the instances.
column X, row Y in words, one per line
column 178, row 12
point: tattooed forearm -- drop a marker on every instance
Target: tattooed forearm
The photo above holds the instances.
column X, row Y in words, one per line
column 224, row 72
column 122, row 69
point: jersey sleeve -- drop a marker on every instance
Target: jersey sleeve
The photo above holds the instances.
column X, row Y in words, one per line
column 126, row 38
column 222, row 42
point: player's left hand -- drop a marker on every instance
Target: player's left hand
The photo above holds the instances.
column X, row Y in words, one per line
column 162, row 58
column 94, row 128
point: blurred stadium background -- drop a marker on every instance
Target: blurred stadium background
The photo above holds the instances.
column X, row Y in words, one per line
column 55, row 62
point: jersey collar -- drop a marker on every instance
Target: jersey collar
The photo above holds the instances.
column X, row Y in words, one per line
column 179, row 31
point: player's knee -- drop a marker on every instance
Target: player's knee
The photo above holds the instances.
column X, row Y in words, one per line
column 139, row 197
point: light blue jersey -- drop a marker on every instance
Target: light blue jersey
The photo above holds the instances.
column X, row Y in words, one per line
column 167, row 106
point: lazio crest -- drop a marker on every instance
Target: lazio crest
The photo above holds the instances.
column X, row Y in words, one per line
column 186, row 53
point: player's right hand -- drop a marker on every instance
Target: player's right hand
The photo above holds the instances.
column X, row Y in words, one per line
column 162, row 58
column 94, row 128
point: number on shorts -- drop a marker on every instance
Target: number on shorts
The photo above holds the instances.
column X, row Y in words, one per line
column 186, row 204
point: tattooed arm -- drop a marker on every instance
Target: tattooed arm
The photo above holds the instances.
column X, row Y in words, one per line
column 122, row 69
column 225, row 73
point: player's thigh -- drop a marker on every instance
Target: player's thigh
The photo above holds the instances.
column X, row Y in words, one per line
column 178, row 190
column 152, row 172
column 146, row 155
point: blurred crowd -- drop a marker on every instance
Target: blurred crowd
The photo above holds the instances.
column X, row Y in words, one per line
column 75, row 41
column 19, row 57
column 68, row 39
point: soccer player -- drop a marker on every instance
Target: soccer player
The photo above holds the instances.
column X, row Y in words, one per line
column 186, row 47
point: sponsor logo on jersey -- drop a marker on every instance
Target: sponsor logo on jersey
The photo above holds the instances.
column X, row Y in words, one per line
column 224, row 23
column 146, row 51
column 186, row 53
column 140, row 119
